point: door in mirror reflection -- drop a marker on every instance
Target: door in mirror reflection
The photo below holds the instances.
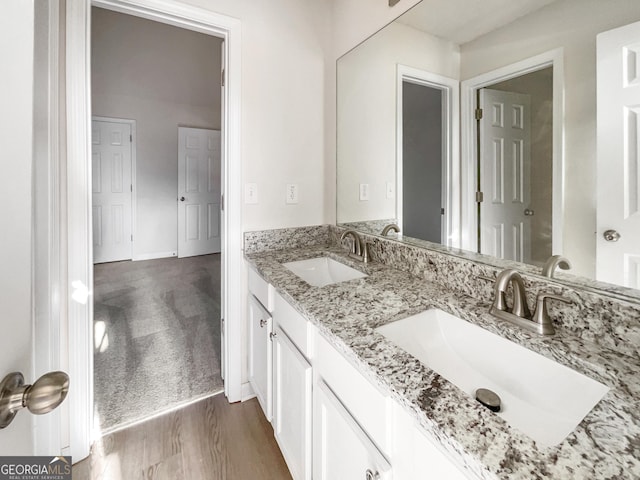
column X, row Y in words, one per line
column 515, row 168
column 618, row 116
column 422, row 161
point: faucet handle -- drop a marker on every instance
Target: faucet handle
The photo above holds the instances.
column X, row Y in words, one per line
column 541, row 315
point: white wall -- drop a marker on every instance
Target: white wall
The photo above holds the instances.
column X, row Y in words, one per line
column 352, row 22
column 367, row 113
column 16, row 136
column 162, row 77
column 284, row 43
column 573, row 25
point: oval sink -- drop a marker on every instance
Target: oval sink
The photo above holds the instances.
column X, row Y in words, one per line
column 539, row 397
column 322, row 271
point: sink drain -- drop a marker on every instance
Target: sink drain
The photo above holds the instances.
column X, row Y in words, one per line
column 489, row 399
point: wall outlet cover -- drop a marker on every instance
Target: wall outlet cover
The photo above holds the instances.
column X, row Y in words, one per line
column 292, row 193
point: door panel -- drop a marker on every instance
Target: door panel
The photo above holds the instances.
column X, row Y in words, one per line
column 505, row 145
column 198, row 191
column 112, row 190
column 618, row 106
column 292, row 403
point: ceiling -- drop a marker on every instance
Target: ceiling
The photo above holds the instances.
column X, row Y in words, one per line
column 461, row 21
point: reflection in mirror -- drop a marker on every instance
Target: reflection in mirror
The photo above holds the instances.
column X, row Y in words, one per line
column 549, row 181
column 515, row 146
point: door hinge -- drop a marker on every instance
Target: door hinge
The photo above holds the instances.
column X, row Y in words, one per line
column 479, row 197
column 478, row 114
column 222, row 325
column 131, row 137
column 222, row 203
column 131, row 187
column 442, row 211
column 132, row 237
column 222, row 77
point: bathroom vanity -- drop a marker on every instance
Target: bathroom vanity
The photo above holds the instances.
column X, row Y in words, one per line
column 347, row 402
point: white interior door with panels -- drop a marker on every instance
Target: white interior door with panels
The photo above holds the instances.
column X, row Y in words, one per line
column 199, row 188
column 112, row 189
column 505, row 146
column 618, row 120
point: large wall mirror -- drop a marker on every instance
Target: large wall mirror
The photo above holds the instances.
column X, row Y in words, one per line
column 504, row 131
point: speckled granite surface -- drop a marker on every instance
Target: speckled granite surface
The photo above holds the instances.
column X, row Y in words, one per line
column 606, row 445
column 593, row 315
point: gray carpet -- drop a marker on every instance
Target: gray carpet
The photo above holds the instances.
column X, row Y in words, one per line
column 157, row 329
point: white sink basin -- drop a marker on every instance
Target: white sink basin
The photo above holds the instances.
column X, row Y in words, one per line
column 322, row 271
column 540, row 397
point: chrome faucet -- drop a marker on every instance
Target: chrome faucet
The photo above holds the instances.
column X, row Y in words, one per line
column 388, row 228
column 554, row 261
column 519, row 314
column 359, row 248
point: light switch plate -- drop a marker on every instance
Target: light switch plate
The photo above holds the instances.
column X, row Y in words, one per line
column 292, row 193
column 250, row 193
column 390, row 190
column 364, row 192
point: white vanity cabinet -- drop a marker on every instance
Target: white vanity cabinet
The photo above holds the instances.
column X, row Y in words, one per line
column 329, row 420
column 341, row 447
column 259, row 329
column 260, row 354
column 292, row 391
column 292, row 405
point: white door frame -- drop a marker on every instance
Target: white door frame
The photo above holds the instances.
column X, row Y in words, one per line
column 469, row 175
column 450, row 231
column 79, row 265
column 134, row 208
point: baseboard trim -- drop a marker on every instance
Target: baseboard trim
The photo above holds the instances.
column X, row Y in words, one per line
column 246, row 392
column 152, row 256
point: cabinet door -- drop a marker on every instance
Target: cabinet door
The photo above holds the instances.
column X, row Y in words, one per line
column 260, row 355
column 341, row 448
column 292, row 405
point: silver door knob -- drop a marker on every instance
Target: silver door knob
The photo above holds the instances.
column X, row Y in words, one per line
column 182, row 199
column 528, row 212
column 44, row 395
column 371, row 475
column 611, row 236
column 263, row 323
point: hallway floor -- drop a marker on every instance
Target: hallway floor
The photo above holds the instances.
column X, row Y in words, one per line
column 210, row 439
column 157, row 336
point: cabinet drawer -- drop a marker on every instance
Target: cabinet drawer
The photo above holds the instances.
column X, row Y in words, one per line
column 297, row 327
column 262, row 290
column 368, row 405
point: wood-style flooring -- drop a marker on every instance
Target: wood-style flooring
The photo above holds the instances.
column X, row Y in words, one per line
column 210, row 439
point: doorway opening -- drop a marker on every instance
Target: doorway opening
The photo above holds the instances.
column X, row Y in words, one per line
column 427, row 137
column 512, row 168
column 156, row 188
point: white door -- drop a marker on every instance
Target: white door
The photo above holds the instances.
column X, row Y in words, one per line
column 223, row 258
column 505, row 146
column 111, row 145
column 341, row 448
column 292, row 405
column 618, row 127
column 198, row 191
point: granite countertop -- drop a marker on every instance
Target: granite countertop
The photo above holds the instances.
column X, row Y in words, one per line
column 606, row 444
